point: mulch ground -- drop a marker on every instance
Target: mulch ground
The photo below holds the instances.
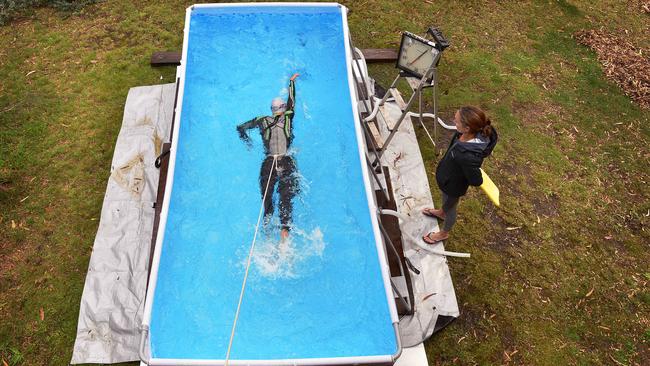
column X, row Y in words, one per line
column 643, row 5
column 625, row 64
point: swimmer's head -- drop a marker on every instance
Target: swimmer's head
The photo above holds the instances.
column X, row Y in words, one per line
column 278, row 106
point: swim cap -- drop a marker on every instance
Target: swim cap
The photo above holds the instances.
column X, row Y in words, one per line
column 278, row 105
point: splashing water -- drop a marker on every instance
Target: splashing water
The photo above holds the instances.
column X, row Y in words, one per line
column 305, row 110
column 276, row 258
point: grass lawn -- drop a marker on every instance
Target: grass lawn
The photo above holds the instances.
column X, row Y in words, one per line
column 558, row 275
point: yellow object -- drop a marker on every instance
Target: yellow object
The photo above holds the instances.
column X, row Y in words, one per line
column 490, row 189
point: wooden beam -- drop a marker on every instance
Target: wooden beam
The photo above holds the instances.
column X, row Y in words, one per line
column 379, row 55
column 166, row 58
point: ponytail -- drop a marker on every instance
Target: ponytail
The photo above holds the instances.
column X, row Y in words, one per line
column 487, row 129
column 476, row 120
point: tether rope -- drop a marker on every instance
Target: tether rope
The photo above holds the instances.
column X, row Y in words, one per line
column 248, row 264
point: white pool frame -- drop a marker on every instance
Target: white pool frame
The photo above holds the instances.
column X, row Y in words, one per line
column 372, row 208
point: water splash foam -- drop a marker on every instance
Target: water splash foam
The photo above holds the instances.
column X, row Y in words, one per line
column 275, row 258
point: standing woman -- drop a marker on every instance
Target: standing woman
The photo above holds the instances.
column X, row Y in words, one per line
column 459, row 167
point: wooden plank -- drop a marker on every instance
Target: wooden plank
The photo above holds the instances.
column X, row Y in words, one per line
column 376, row 135
column 390, row 123
column 162, row 185
column 379, row 54
column 398, row 99
column 166, row 58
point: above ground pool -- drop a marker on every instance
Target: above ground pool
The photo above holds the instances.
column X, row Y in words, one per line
column 318, row 296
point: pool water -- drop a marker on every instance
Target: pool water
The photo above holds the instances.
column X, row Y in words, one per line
column 318, row 294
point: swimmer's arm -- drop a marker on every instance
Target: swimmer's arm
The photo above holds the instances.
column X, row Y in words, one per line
column 291, row 100
column 242, row 128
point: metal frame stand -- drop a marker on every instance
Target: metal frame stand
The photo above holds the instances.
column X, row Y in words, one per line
column 424, row 83
column 428, row 80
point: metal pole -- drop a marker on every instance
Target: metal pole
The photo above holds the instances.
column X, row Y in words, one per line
column 420, row 108
column 392, row 86
column 435, row 107
column 400, row 297
column 374, row 174
column 404, row 113
column 143, row 339
column 381, row 102
column 362, row 95
column 401, row 267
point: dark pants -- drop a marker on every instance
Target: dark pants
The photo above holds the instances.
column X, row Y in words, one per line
column 284, row 175
column 449, row 205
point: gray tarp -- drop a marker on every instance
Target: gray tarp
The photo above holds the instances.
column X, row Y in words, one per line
column 113, row 296
column 433, row 288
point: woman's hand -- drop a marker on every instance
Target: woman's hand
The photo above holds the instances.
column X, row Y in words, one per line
column 294, row 76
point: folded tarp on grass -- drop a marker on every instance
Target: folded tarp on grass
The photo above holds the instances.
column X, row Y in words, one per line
column 113, row 296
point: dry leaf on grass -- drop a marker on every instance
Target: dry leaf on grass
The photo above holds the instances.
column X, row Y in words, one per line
column 623, row 63
column 41, row 313
column 643, row 5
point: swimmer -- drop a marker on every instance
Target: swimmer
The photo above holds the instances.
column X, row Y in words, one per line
column 277, row 135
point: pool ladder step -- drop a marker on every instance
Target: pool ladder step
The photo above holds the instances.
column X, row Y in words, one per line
column 400, row 284
column 372, row 125
column 382, row 181
column 403, row 300
column 392, row 235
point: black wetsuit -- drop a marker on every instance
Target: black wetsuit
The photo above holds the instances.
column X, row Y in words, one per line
column 277, row 135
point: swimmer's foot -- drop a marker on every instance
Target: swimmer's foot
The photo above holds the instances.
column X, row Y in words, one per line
column 435, row 238
column 432, row 212
column 284, row 234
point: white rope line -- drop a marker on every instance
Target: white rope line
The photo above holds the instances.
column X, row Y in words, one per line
column 248, row 264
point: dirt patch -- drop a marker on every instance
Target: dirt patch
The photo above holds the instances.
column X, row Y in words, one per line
column 622, row 62
column 507, row 237
column 547, row 206
column 531, row 114
column 515, row 175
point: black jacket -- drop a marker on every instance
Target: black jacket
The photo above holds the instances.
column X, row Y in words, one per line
column 459, row 167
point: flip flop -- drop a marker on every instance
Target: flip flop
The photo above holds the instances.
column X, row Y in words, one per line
column 427, row 212
column 427, row 239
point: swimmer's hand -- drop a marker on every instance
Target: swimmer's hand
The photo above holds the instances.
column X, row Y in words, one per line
column 244, row 136
column 294, row 76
